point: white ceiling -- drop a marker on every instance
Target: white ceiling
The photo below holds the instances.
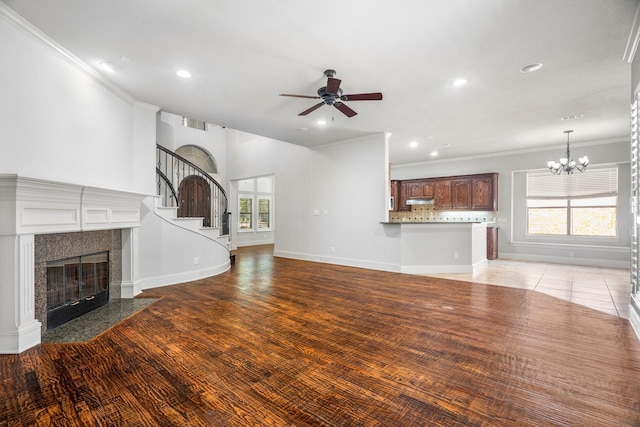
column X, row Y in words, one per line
column 242, row 54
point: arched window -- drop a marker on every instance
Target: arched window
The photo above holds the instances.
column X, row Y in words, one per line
column 198, row 157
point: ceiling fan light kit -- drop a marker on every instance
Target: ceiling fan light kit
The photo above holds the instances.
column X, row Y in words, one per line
column 332, row 95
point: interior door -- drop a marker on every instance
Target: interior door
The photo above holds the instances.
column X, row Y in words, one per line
column 195, row 199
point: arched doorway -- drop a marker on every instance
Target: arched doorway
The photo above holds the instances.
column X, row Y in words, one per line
column 195, row 199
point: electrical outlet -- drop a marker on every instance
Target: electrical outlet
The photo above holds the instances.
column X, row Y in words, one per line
column 195, row 260
column 333, row 249
column 455, row 255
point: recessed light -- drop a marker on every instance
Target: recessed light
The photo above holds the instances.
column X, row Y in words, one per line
column 109, row 66
column 184, row 74
column 531, row 68
column 413, row 144
column 321, row 122
column 460, row 82
column 434, row 154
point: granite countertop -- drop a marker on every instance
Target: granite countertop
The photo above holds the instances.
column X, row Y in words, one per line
column 491, row 224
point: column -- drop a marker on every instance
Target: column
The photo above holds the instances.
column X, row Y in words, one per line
column 19, row 329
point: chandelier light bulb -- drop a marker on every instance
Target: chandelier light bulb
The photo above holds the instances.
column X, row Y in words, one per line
column 566, row 164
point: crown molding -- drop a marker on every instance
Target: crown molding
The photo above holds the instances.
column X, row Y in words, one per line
column 634, row 38
column 30, row 30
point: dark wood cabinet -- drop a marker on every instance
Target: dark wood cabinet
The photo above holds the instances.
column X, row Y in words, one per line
column 442, row 194
column 420, row 189
column 402, row 197
column 492, row 243
column 485, row 192
column 467, row 192
column 461, row 194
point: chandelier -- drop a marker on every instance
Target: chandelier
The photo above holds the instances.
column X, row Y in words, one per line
column 567, row 164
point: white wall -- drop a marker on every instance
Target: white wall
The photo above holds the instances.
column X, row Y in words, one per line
column 599, row 152
column 344, row 183
column 250, row 156
column 59, row 123
column 168, row 254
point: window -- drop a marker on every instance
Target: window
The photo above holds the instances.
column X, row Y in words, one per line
column 250, row 191
column 246, row 213
column 264, row 213
column 573, row 205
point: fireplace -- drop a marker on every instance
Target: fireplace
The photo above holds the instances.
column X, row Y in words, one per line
column 75, row 273
column 75, row 286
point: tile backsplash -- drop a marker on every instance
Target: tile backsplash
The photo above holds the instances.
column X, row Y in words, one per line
column 428, row 213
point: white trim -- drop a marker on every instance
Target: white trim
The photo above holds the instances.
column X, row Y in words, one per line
column 589, row 262
column 27, row 28
column 349, row 262
column 633, row 40
column 634, row 317
column 17, row 340
column 437, row 269
column 175, row 278
column 513, row 152
column 35, row 206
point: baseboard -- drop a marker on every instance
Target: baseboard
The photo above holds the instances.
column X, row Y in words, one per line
column 588, row 262
column 17, row 340
column 348, row 262
column 438, row 269
column 172, row 279
column 435, row 269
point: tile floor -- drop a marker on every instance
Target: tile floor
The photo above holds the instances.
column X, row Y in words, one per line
column 604, row 289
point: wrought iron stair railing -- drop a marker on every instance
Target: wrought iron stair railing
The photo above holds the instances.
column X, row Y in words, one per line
column 193, row 191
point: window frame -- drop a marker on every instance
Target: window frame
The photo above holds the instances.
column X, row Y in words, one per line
column 251, row 197
column 256, row 190
column 569, row 211
column 568, row 237
column 270, row 213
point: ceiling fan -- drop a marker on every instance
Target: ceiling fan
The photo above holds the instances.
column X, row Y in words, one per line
column 331, row 94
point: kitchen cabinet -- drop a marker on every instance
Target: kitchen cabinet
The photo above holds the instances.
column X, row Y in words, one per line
column 485, row 192
column 420, row 189
column 492, row 242
column 454, row 193
column 466, row 192
column 402, row 197
column 442, row 194
column 461, row 194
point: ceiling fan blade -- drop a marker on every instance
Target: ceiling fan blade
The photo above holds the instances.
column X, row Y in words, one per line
column 333, row 85
column 344, row 109
column 309, row 110
column 300, row 96
column 374, row 96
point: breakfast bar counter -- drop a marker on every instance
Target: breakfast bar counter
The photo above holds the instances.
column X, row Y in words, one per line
column 442, row 247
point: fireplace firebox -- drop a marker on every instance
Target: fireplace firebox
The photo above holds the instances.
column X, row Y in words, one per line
column 75, row 286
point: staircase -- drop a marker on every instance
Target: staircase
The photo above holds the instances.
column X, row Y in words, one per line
column 193, row 224
column 190, row 198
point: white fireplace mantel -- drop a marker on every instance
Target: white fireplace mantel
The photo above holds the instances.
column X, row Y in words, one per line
column 30, row 206
column 34, row 206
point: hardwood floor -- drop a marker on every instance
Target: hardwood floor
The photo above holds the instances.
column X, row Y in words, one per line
column 284, row 342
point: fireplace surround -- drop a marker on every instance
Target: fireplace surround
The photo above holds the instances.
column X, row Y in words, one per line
column 42, row 221
column 61, row 248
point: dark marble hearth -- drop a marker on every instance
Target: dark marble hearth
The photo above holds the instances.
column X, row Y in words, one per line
column 88, row 326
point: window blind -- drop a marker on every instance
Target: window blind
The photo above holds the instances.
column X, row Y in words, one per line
column 593, row 182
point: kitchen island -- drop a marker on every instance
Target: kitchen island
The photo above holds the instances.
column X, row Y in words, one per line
column 442, row 247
